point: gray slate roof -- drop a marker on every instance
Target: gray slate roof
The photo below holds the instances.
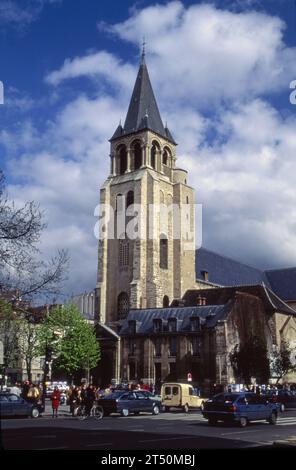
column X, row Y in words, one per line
column 283, row 282
column 222, row 295
column 225, row 271
column 209, row 315
column 143, row 111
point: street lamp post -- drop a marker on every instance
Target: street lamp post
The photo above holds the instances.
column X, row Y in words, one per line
column 48, row 354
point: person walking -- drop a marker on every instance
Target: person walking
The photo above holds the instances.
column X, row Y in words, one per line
column 16, row 389
column 74, row 400
column 25, row 389
column 33, row 394
column 55, row 401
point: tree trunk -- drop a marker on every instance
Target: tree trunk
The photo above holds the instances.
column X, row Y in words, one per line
column 29, row 369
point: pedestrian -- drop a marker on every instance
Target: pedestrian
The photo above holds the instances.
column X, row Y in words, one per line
column 55, row 401
column 25, row 389
column 33, row 394
column 108, row 390
column 16, row 389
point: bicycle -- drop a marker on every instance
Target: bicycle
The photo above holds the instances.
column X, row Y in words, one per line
column 96, row 412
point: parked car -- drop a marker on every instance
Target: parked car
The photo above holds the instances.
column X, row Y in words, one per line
column 179, row 395
column 240, row 408
column 285, row 398
column 134, row 402
column 12, row 405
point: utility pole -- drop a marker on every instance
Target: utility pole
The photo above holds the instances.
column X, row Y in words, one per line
column 48, row 358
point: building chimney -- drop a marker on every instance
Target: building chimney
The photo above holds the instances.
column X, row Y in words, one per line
column 199, row 300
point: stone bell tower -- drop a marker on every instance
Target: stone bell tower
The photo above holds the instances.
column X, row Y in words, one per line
column 146, row 270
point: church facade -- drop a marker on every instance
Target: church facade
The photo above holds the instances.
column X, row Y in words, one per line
column 163, row 310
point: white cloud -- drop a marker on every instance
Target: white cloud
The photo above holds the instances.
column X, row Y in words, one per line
column 94, row 65
column 20, row 14
column 247, row 185
column 207, row 54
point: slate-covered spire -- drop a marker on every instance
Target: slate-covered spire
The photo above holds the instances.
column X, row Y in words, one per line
column 143, row 111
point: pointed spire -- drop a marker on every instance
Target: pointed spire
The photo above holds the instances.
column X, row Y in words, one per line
column 118, row 132
column 143, row 111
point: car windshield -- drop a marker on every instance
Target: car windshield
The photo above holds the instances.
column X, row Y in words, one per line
column 113, row 396
column 225, row 397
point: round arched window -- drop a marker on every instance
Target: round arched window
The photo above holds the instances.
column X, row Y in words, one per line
column 165, row 301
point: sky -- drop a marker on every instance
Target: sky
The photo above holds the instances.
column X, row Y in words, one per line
column 221, row 72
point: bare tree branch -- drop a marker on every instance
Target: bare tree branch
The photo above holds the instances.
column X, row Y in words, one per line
column 21, row 265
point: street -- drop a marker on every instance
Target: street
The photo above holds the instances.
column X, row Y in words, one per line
column 174, row 430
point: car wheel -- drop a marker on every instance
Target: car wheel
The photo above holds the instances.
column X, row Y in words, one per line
column 166, row 408
column 35, row 413
column 155, row 410
column 98, row 412
column 273, row 418
column 212, row 421
column 243, row 422
column 125, row 412
column 186, row 408
column 282, row 407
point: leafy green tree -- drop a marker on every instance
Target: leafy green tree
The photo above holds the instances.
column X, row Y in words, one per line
column 28, row 343
column 10, row 325
column 72, row 339
column 251, row 360
column 282, row 363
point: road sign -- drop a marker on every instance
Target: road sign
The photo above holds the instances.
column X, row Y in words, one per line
column 189, row 377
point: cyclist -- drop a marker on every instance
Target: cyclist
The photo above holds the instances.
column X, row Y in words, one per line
column 89, row 399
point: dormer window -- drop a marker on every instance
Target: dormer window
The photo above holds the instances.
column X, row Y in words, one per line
column 205, row 275
column 157, row 325
column 132, row 327
column 195, row 323
column 172, row 325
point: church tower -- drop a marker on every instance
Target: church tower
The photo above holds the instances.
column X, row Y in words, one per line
column 151, row 269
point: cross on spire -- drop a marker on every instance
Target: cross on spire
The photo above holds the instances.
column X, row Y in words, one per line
column 143, row 47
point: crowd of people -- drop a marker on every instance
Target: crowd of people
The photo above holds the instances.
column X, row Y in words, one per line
column 76, row 396
column 85, row 395
column 255, row 388
column 29, row 391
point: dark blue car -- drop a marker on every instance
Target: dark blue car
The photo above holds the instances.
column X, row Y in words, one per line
column 12, row 405
column 125, row 402
column 240, row 408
